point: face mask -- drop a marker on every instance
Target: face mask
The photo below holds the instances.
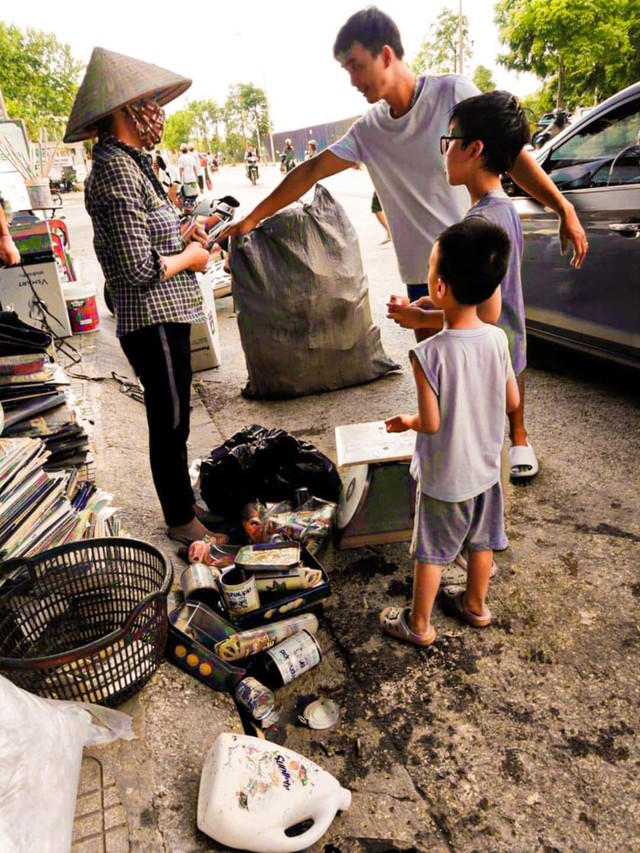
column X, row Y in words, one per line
column 148, row 119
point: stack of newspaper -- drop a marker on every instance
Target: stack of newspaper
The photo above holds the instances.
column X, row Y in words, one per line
column 42, row 509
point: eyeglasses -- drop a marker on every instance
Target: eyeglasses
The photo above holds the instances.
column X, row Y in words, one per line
column 445, row 142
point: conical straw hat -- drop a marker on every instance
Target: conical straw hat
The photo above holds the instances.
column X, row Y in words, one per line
column 113, row 80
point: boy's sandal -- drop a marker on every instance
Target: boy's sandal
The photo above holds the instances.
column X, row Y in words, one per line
column 393, row 621
column 461, row 562
column 452, row 600
column 523, row 462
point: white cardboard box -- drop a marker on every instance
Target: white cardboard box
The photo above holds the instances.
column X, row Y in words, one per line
column 16, row 294
column 205, row 338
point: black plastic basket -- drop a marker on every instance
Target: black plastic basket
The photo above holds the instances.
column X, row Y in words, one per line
column 85, row 621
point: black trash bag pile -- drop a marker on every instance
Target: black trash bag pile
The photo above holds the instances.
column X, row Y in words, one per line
column 267, row 465
column 303, row 303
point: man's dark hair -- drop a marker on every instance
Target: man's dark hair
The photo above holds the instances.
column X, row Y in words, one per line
column 498, row 120
column 372, row 29
column 474, row 255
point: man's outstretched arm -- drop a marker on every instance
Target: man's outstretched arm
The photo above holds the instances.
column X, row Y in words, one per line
column 295, row 184
column 530, row 176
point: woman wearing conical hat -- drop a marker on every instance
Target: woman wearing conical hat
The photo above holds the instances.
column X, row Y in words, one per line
column 149, row 270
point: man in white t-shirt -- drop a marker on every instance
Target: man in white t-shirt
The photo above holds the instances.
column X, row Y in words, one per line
column 198, row 165
column 398, row 140
column 188, row 174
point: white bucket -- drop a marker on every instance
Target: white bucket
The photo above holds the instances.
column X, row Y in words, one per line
column 39, row 192
column 82, row 306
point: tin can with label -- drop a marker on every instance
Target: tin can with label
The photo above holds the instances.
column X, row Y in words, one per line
column 258, row 700
column 200, row 583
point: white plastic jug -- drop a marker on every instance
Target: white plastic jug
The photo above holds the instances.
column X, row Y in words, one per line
column 251, row 791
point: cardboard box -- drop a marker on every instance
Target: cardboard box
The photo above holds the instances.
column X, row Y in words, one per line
column 205, row 338
column 16, row 292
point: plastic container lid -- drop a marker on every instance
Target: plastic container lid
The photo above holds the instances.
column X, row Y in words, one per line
column 78, row 291
column 320, row 714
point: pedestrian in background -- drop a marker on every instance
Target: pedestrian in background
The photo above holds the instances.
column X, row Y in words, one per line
column 198, row 166
column 188, row 174
column 149, row 271
column 378, row 212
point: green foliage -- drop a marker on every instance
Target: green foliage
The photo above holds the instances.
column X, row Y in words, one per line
column 38, row 77
column 583, row 50
column 178, row 129
column 246, row 114
column 483, row 78
column 438, row 53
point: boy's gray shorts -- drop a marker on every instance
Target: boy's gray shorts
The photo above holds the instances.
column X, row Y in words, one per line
column 442, row 529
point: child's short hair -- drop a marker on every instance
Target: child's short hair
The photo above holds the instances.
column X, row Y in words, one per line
column 498, row 120
column 474, row 255
column 372, row 28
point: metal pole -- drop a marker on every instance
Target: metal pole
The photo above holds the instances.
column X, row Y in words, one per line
column 460, row 50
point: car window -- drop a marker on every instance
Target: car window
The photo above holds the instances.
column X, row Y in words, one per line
column 605, row 152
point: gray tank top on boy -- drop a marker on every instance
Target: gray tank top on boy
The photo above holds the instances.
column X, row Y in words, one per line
column 468, row 371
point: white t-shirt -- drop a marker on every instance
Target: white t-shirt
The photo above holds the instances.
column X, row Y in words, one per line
column 468, row 371
column 185, row 161
column 197, row 163
column 407, row 169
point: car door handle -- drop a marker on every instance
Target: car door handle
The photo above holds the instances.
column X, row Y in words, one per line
column 625, row 227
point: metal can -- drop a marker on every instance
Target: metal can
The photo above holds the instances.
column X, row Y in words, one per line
column 256, row 698
column 301, row 496
column 200, row 583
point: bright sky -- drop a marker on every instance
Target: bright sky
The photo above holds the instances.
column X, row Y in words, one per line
column 285, row 49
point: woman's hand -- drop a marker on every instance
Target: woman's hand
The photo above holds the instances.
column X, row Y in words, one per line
column 196, row 257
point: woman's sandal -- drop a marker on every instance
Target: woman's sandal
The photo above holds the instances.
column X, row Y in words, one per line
column 452, row 600
column 393, row 621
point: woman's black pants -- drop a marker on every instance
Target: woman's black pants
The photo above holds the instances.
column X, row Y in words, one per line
column 161, row 358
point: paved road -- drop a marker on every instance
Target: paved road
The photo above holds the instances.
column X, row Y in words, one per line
column 518, row 738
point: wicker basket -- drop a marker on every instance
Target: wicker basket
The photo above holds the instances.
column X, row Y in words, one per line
column 85, row 621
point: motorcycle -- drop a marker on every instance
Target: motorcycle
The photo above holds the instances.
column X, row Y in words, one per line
column 66, row 183
column 211, row 214
column 252, row 169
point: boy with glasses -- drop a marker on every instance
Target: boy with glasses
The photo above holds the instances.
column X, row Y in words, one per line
column 486, row 135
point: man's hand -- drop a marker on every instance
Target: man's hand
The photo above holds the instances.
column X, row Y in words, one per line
column 398, row 423
column 9, row 255
column 570, row 229
column 239, row 228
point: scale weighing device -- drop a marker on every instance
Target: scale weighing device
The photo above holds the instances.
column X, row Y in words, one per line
column 377, row 501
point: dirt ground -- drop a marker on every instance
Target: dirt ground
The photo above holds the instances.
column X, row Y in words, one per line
column 520, row 737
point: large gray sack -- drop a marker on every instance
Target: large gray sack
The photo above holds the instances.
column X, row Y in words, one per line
column 303, row 303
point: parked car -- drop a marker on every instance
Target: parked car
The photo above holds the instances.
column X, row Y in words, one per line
column 595, row 162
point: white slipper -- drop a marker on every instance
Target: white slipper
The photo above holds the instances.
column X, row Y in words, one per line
column 523, row 456
column 461, row 562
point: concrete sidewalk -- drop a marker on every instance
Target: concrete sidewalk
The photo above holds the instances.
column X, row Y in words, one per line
column 517, row 738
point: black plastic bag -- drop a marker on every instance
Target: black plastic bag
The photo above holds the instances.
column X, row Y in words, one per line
column 302, row 299
column 266, row 465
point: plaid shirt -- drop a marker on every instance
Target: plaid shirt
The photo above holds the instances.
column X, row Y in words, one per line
column 134, row 224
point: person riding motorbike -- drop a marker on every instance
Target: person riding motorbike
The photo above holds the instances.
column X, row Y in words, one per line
column 251, row 163
column 288, row 157
column 560, row 121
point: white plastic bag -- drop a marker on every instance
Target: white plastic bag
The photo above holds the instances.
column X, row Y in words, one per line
column 41, row 742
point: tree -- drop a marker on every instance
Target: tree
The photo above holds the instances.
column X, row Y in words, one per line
column 246, row 113
column 438, row 53
column 178, row 129
column 207, row 116
column 581, row 49
column 483, row 78
column 38, row 77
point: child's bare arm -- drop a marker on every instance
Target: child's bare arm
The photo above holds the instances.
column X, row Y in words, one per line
column 513, row 395
column 427, row 418
column 490, row 310
column 415, row 317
